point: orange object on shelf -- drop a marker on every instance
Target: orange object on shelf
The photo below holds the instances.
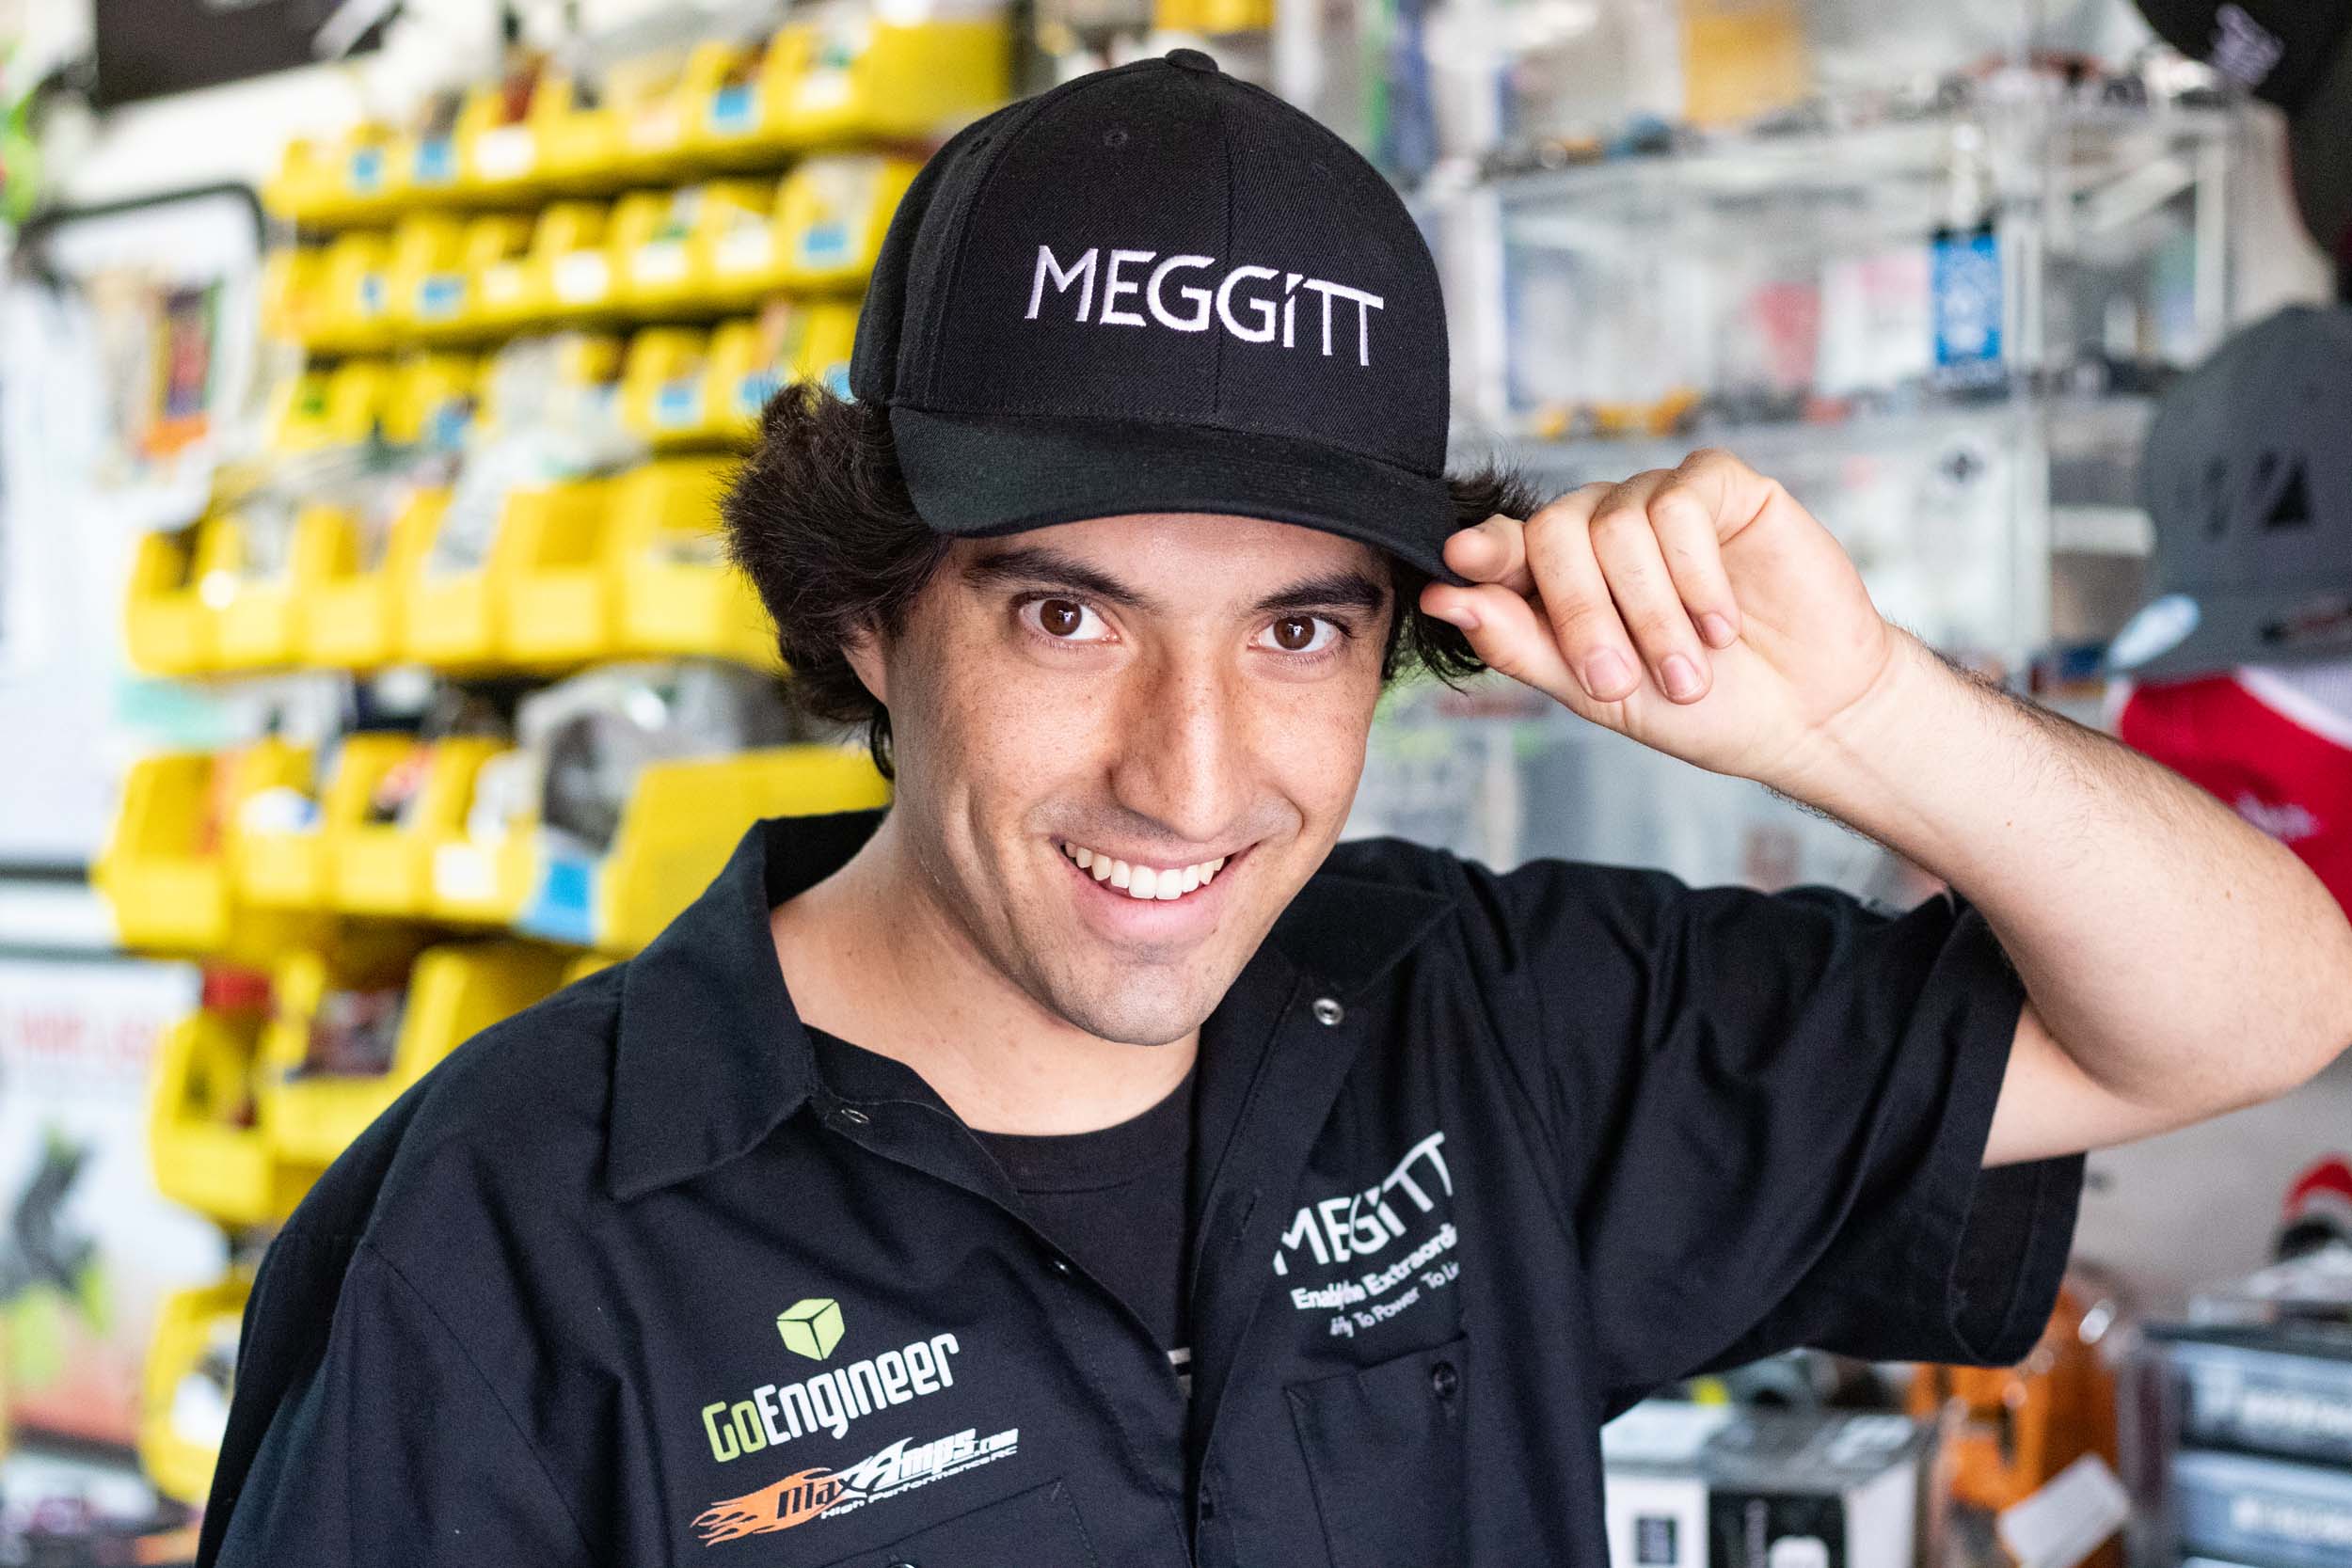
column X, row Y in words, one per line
column 2019, row 1426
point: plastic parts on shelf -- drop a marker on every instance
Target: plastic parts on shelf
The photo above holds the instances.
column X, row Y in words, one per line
column 452, row 992
column 165, row 870
column 683, row 819
column 182, row 1401
column 204, row 1134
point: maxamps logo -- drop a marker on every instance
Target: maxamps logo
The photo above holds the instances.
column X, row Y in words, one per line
column 774, row 1415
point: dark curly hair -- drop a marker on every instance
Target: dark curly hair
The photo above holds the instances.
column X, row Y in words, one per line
column 819, row 520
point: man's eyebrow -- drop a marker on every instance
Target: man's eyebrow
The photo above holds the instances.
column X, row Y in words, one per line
column 1039, row 566
column 1341, row 590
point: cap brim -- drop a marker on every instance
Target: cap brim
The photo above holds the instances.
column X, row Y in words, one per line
column 2319, row 148
column 983, row 475
column 2181, row 636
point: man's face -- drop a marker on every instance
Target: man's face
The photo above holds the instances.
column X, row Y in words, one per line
column 1164, row 693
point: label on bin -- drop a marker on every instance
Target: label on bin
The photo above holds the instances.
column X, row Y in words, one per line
column 505, row 154
column 582, row 277
column 561, row 905
column 733, row 108
column 436, row 162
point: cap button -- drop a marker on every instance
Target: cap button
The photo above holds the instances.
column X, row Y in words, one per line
column 1191, row 59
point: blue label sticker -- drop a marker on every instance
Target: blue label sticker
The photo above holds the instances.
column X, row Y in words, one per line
column 440, row 294
column 561, row 907
column 367, row 171
column 825, row 241
column 1967, row 296
column 676, row 403
column 436, row 162
column 733, row 108
column 753, row 392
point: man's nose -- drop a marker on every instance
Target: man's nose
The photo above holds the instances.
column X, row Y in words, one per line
column 1182, row 759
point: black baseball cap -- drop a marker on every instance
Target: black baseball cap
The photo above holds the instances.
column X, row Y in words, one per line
column 2297, row 55
column 2248, row 476
column 1157, row 288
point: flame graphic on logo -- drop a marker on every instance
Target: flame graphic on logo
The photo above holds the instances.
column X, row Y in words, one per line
column 794, row 1500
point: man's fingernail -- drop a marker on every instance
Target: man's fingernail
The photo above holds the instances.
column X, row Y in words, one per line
column 1606, row 671
column 1460, row 616
column 1716, row 629
column 1682, row 677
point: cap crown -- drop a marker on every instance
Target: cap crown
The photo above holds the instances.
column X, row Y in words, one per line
column 1162, row 242
column 2248, row 473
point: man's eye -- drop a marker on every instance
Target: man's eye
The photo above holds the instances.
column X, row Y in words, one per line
column 1301, row 634
column 1065, row 619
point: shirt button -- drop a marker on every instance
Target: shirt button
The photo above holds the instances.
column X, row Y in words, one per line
column 1059, row 1265
column 1444, row 1380
column 1329, row 1012
column 1208, row 1505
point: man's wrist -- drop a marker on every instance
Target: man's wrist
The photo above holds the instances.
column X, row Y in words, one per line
column 1880, row 763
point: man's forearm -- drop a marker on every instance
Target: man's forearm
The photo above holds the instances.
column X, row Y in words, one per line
column 2182, row 958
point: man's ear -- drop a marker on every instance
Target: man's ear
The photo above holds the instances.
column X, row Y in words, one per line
column 863, row 649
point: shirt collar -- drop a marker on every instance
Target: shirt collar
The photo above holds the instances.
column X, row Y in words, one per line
column 712, row 1057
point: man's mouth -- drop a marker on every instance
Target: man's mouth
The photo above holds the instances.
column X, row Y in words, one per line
column 1165, row 884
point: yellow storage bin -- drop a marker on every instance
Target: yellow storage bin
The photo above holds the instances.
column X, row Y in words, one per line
column 504, row 131
column 848, row 76
column 731, row 124
column 356, row 179
column 383, row 865
column 559, row 598
column 683, row 819
column 354, row 314
column 742, row 260
column 185, row 1389
column 664, row 387
column 166, row 625
column 483, row 875
column 288, row 867
column 165, row 870
column 293, row 277
column 679, row 595
column 264, row 566
column 831, row 214
column 450, row 615
column 331, row 408
column 330, row 1071
column 351, row 616
column 204, row 1137
column 569, row 275
column 430, row 400
column 663, row 242
column 437, row 263
column 645, row 133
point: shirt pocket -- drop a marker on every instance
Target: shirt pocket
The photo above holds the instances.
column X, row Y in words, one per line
column 1384, row 1452
column 1037, row 1528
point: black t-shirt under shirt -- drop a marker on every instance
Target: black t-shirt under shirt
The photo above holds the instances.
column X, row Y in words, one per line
column 1113, row 1199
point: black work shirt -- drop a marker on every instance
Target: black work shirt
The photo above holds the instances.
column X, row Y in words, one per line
column 645, row 1276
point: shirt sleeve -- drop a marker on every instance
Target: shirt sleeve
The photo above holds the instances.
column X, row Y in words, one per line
column 1778, row 1107
column 393, row 1448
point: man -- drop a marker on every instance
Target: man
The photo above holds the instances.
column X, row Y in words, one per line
column 1087, row 1162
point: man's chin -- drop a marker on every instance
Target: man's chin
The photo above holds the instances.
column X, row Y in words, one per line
column 1113, row 1011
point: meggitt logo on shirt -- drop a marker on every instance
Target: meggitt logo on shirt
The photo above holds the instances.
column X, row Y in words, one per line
column 1253, row 302
column 829, row 1401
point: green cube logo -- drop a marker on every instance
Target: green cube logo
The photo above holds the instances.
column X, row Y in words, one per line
column 811, row 1327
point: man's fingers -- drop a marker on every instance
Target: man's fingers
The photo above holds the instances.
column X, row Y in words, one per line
column 1649, row 601
column 1685, row 525
column 1492, row 551
column 1574, row 597
column 1506, row 631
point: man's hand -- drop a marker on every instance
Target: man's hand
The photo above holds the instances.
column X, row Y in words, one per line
column 1700, row 611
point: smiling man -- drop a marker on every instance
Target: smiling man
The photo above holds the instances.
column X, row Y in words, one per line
column 1089, row 1160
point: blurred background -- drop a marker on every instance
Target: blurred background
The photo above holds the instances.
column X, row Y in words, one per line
column 369, row 669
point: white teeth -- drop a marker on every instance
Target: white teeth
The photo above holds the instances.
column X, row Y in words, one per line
column 1144, row 881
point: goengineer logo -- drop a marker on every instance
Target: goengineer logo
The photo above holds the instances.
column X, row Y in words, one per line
column 812, row 1494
